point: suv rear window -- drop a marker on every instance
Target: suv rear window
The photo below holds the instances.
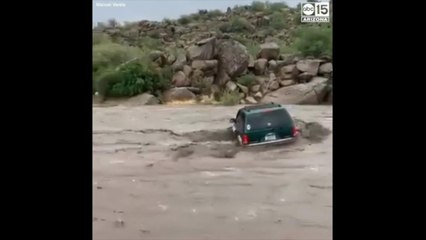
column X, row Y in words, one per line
column 268, row 118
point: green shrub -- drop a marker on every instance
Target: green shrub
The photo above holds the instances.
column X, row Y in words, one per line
column 253, row 48
column 314, row 41
column 149, row 43
column 247, row 80
column 167, row 21
column 287, row 49
column 241, row 39
column 133, row 79
column 108, row 55
column 214, row 14
column 202, row 84
column 185, row 19
column 277, row 6
column 237, row 24
column 195, row 17
column 278, row 21
column 269, row 31
column 230, row 98
column 297, row 18
column 225, row 27
column 257, row 6
column 99, row 38
column 154, row 34
column 105, row 80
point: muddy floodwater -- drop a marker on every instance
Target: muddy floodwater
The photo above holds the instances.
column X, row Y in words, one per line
column 174, row 173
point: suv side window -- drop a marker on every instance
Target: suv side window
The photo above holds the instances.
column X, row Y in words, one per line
column 240, row 123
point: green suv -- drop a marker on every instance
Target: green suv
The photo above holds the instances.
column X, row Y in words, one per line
column 264, row 124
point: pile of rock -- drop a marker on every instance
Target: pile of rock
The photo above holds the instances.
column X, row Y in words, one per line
column 214, row 65
column 286, row 79
column 209, row 65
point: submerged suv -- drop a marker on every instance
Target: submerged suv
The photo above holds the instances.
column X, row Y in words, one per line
column 264, row 124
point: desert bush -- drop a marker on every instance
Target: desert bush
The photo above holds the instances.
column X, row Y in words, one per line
column 257, row 6
column 247, row 80
column 314, row 41
column 149, row 43
column 214, row 13
column 99, row 38
column 167, row 21
column 253, row 48
column 105, row 80
column 196, row 17
column 237, row 24
column 278, row 21
column 111, row 55
column 184, row 19
column 133, row 79
column 230, row 98
column 154, row 34
column 276, row 6
column 287, row 49
column 269, row 31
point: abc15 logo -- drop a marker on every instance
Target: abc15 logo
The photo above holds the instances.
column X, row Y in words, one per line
column 316, row 9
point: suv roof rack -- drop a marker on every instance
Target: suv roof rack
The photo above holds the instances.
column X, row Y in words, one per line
column 262, row 106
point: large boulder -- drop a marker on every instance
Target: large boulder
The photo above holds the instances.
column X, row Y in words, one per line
column 305, row 77
column 233, row 58
column 308, row 65
column 258, row 95
column 274, row 85
column 187, row 70
column 269, row 50
column 178, row 94
column 179, row 62
column 243, row 88
column 289, row 72
column 326, row 68
column 255, row 88
column 272, row 65
column 209, row 67
column 142, row 99
column 288, row 69
column 231, row 86
column 286, row 83
column 250, row 100
column 179, row 79
column 204, row 50
column 260, row 66
column 309, row 93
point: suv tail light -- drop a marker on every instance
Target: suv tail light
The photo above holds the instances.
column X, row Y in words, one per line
column 295, row 131
column 245, row 139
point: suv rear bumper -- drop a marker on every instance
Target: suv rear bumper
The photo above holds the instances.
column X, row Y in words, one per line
column 285, row 140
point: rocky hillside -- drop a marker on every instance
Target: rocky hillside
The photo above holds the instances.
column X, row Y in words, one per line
column 249, row 54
